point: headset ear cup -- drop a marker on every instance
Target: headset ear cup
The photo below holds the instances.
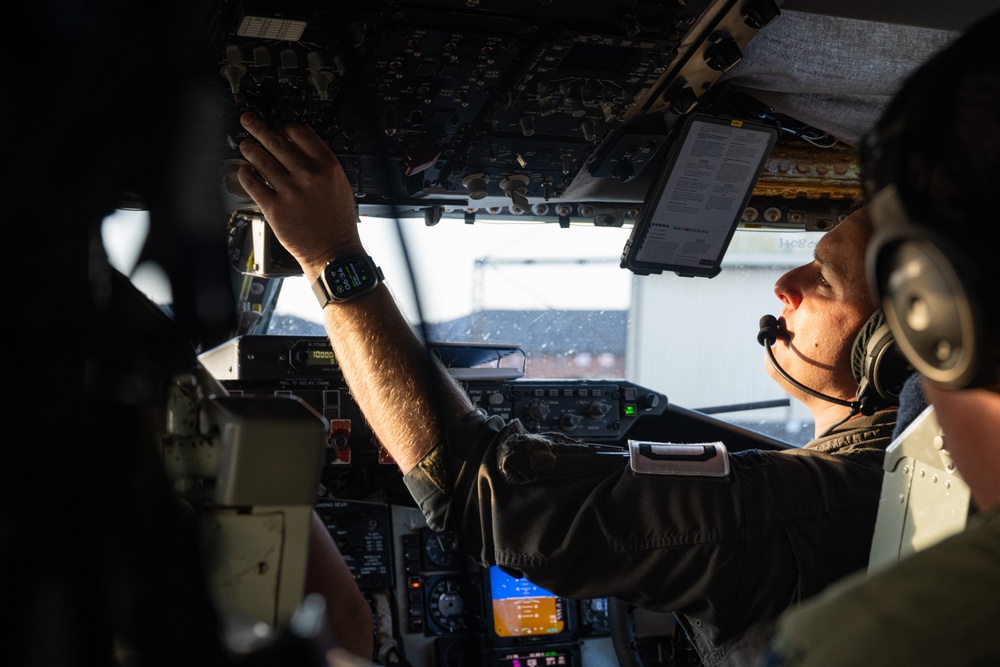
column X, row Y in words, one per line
column 879, row 365
column 927, row 306
column 886, row 367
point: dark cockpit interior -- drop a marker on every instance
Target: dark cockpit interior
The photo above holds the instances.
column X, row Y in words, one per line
column 575, row 114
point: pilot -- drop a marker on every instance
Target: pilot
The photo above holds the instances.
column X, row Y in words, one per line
column 727, row 552
column 933, row 161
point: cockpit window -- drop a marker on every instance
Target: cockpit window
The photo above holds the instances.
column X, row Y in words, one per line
column 560, row 296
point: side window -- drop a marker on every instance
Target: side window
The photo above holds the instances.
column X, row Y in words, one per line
column 123, row 234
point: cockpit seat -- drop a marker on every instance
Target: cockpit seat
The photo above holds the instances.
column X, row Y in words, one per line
column 924, row 498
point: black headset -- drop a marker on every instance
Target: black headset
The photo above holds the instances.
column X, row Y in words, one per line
column 923, row 263
column 933, row 299
column 879, row 365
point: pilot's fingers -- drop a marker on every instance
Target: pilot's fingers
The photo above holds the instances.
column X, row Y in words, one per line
column 270, row 139
column 308, row 141
column 255, row 185
column 296, row 157
column 274, row 150
column 268, row 170
column 295, row 144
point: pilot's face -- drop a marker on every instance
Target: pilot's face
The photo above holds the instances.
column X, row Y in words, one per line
column 824, row 304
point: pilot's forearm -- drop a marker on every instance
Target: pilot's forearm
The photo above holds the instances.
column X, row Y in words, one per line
column 304, row 194
column 404, row 393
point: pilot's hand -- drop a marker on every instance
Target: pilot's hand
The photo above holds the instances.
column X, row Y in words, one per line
column 302, row 191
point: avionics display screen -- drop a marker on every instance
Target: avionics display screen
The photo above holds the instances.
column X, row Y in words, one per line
column 547, row 657
column 522, row 609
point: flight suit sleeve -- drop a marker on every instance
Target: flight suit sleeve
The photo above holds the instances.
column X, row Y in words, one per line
column 576, row 519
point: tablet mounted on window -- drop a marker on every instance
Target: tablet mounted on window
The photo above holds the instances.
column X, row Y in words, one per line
column 697, row 200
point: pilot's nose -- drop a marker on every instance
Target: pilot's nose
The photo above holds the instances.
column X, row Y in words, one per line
column 787, row 288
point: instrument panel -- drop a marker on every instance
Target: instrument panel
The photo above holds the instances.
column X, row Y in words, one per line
column 458, row 108
column 434, row 604
column 597, row 410
column 438, row 607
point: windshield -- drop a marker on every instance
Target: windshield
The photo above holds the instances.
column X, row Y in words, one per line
column 560, row 296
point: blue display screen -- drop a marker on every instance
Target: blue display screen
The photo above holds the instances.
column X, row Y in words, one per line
column 522, row 609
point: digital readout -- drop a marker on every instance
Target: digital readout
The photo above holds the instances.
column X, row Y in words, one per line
column 320, row 358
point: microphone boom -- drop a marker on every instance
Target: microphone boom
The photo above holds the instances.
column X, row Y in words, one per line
column 768, row 336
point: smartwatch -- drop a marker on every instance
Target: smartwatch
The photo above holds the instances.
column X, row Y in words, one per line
column 345, row 278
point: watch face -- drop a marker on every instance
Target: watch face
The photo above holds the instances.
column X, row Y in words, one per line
column 350, row 277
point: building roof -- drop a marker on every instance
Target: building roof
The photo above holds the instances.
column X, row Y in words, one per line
column 537, row 332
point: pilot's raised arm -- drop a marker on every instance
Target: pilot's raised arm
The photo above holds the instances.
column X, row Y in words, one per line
column 726, row 548
column 305, row 196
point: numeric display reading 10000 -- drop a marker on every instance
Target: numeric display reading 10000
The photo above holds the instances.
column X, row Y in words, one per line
column 320, row 358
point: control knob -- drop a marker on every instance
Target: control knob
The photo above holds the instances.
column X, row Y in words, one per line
column 597, row 410
column 537, row 412
column 569, row 421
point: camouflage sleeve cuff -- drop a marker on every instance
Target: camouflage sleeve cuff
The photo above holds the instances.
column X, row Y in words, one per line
column 432, row 480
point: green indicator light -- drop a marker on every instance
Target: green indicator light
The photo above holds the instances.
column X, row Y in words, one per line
column 630, row 411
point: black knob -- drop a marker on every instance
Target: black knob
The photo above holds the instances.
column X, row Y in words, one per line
column 760, row 13
column 649, row 401
column 722, row 55
column 568, row 421
column 597, row 410
column 682, row 100
column 538, row 411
